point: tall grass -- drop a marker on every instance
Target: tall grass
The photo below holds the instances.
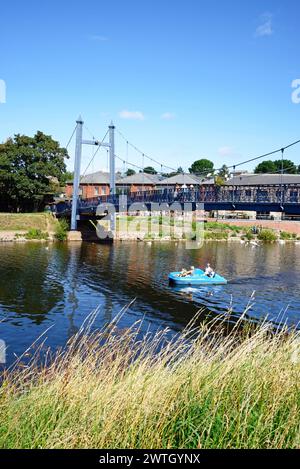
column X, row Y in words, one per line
column 113, row 389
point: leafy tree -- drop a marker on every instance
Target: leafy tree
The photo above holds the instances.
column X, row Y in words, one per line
column 30, row 168
column 223, row 172
column 266, row 166
column 149, row 170
column 269, row 166
column 202, row 166
column 173, row 173
column 130, row 172
column 68, row 176
column 288, row 166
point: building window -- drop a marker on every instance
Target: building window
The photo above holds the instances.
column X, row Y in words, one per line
column 96, row 191
column 103, row 190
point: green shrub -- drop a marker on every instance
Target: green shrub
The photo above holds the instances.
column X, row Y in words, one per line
column 214, row 225
column 215, row 235
column 249, row 235
column 62, row 229
column 285, row 235
column 268, row 236
column 35, row 233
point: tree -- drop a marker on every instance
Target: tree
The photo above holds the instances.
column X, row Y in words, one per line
column 269, row 166
column 30, row 167
column 173, row 173
column 202, row 167
column 266, row 166
column 223, row 172
column 149, row 170
column 68, row 176
column 287, row 165
column 130, row 172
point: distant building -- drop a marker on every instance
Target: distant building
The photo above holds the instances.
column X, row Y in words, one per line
column 97, row 184
column 183, row 180
column 248, row 179
column 138, row 182
column 91, row 185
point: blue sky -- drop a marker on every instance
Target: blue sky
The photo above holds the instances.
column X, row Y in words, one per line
column 181, row 79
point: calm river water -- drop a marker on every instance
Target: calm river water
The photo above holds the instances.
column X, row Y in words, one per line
column 58, row 285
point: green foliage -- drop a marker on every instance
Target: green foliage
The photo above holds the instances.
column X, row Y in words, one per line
column 285, row 235
column 108, row 390
column 67, row 176
column 35, row 233
column 202, row 167
column 269, row 166
column 219, row 181
column 130, row 172
column 31, row 169
column 223, row 172
column 214, row 225
column 62, row 229
column 288, row 166
column 150, row 170
column 268, row 236
column 249, row 235
column 215, row 235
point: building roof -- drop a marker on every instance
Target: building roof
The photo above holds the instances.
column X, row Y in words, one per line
column 263, row 179
column 183, row 178
column 139, row 178
column 100, row 177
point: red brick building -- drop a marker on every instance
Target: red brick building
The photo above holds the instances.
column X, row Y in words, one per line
column 91, row 185
column 96, row 184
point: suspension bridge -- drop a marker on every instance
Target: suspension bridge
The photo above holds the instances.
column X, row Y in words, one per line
column 264, row 198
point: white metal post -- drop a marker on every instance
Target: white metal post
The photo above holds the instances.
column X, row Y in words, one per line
column 112, row 169
column 76, row 182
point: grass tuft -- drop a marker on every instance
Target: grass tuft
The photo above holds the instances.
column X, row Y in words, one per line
column 202, row 389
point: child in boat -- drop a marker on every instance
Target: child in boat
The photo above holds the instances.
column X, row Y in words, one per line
column 209, row 271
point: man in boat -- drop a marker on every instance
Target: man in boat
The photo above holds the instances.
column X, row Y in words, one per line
column 209, row 271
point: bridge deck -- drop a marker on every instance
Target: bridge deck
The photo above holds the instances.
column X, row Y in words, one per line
column 264, row 199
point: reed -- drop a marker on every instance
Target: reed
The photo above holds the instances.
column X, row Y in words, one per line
column 122, row 389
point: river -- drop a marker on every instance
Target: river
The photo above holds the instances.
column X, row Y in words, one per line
column 53, row 287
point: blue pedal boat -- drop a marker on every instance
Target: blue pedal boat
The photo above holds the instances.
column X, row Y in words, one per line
column 197, row 278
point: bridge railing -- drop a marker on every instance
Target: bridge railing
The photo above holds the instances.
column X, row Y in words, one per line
column 214, row 194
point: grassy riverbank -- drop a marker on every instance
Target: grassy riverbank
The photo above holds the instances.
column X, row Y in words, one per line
column 26, row 221
column 31, row 226
column 211, row 392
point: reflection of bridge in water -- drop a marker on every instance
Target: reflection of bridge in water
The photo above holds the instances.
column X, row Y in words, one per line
column 259, row 199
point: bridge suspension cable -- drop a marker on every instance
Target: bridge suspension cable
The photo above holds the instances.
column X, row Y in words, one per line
column 142, row 153
column 95, row 153
column 233, row 166
column 72, row 135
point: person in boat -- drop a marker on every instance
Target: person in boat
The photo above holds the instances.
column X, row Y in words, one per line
column 185, row 273
column 209, row 271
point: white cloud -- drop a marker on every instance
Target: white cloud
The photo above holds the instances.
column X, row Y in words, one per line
column 134, row 115
column 167, row 116
column 226, row 151
column 98, row 37
column 266, row 26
